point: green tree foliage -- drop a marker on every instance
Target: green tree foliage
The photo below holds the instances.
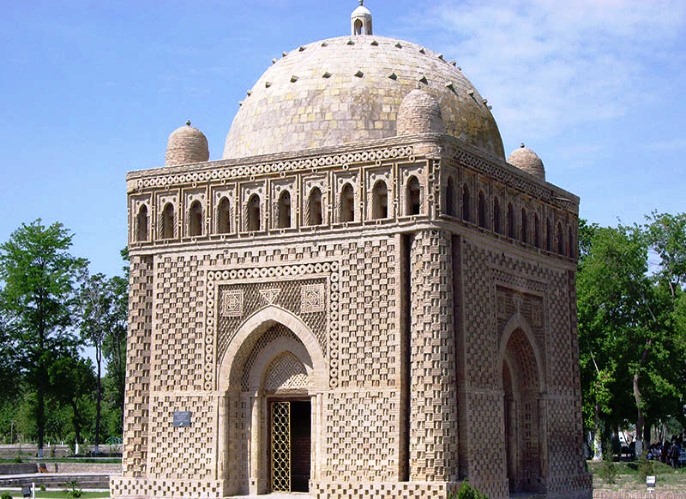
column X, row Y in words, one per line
column 39, row 278
column 631, row 343
column 73, row 384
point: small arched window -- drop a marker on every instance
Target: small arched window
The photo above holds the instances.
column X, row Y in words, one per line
column 466, row 213
column 195, row 219
column 314, row 205
column 224, row 216
column 380, row 200
column 412, row 197
column 497, row 223
column 537, row 231
column 525, row 227
column 549, row 235
column 358, row 26
column 560, row 240
column 481, row 210
column 284, row 209
column 450, row 197
column 254, row 222
column 347, row 203
column 571, row 248
column 511, row 228
column 142, row 224
column 168, row 221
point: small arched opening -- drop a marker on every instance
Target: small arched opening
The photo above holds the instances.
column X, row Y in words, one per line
column 481, row 211
column 450, row 197
column 314, row 207
column 497, row 222
column 379, row 200
column 511, row 226
column 253, row 222
column 412, row 197
column 195, row 219
column 142, row 224
column 224, row 216
column 284, row 210
column 560, row 240
column 525, row 227
column 466, row 203
column 537, row 231
column 168, row 221
column 347, row 207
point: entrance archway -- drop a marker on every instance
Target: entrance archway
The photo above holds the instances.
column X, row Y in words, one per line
column 522, row 406
column 273, row 373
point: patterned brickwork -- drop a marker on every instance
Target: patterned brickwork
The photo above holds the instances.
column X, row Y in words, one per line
column 286, row 372
column 136, row 424
column 177, row 453
column 361, row 435
column 182, row 358
column 387, row 490
column 285, row 294
column 486, row 452
column 256, row 346
column 433, row 420
column 369, row 341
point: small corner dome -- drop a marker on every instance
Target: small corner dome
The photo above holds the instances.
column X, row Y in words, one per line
column 527, row 160
column 186, row 145
column 419, row 112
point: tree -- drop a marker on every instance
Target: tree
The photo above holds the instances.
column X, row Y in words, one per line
column 627, row 336
column 102, row 325
column 39, row 278
column 72, row 384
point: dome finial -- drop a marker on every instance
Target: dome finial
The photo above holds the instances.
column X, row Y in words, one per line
column 361, row 20
column 188, row 122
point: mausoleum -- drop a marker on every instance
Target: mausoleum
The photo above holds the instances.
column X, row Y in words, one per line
column 362, row 298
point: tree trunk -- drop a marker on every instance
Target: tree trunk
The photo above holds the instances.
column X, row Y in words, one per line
column 76, row 421
column 98, row 401
column 640, row 418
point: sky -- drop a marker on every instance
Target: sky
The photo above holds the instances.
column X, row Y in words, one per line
column 90, row 90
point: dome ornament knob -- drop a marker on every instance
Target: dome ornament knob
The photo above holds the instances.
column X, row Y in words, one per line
column 188, row 122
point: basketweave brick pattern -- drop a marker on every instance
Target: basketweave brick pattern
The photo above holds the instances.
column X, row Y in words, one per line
column 185, row 489
column 387, row 490
column 240, row 301
column 369, row 340
column 487, row 467
column 181, row 453
column 361, row 435
column 249, row 354
column 183, row 359
column 286, row 372
column 433, row 420
column 566, row 455
column 136, row 423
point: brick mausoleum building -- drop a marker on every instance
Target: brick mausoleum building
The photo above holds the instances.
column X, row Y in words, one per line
column 362, row 298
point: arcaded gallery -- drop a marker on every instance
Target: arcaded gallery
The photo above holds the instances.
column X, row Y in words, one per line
column 362, row 298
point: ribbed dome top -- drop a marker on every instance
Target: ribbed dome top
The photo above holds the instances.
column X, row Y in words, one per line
column 186, row 145
column 527, row 160
column 349, row 89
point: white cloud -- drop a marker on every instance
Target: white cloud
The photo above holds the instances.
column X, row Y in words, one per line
column 547, row 66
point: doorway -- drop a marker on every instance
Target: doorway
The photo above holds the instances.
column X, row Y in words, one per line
column 290, row 445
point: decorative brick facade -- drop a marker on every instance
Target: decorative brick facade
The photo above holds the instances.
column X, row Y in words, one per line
column 415, row 292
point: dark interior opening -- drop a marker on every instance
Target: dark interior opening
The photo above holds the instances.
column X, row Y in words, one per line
column 301, row 439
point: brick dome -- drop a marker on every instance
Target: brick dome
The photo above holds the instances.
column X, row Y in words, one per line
column 349, row 89
column 527, row 160
column 419, row 113
column 186, row 145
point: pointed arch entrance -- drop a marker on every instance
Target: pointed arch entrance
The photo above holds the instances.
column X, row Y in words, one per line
column 523, row 389
column 273, row 374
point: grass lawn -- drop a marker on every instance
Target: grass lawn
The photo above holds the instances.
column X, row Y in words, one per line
column 62, row 494
column 628, row 477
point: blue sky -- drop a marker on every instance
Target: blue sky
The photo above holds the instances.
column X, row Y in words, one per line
column 90, row 90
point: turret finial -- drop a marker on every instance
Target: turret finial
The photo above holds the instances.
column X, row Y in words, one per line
column 361, row 20
column 188, row 122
